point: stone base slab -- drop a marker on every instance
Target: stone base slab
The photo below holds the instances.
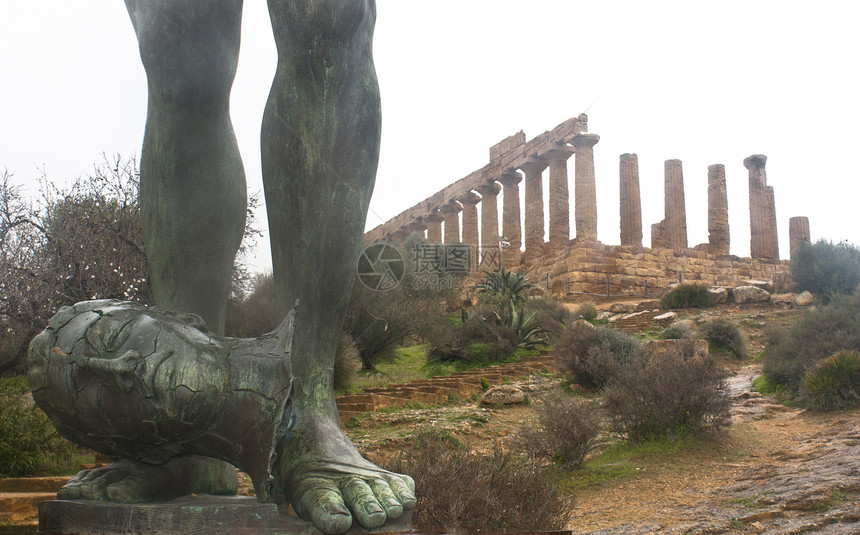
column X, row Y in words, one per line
column 190, row 515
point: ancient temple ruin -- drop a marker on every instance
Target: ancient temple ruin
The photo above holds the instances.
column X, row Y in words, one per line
column 583, row 264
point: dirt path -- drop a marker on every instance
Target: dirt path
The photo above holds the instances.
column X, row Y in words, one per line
column 777, row 470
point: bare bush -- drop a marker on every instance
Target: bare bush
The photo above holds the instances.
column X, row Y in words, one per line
column 75, row 243
column 666, row 394
column 724, row 335
column 565, row 430
column 459, row 489
column 347, row 362
column 591, row 355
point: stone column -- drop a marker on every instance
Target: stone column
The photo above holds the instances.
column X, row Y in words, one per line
column 763, row 236
column 434, row 227
column 798, row 232
column 676, row 211
column 489, row 225
column 559, row 198
column 718, row 210
column 451, row 214
column 470, row 219
column 631, row 204
column 585, row 192
column 418, row 226
column 511, row 218
column 534, row 220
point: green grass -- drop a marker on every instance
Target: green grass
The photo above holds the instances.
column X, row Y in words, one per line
column 763, row 385
column 620, row 461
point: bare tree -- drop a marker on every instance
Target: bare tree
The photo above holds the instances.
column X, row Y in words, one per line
column 75, row 243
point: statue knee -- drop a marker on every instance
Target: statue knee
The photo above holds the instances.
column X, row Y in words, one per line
column 334, row 20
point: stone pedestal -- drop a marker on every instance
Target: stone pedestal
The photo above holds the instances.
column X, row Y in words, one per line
column 718, row 210
column 534, row 220
column 630, row 201
column 202, row 515
column 451, row 215
column 511, row 217
column 798, row 232
column 585, row 192
column 763, row 236
column 489, row 225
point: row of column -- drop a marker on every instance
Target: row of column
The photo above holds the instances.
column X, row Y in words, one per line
column 585, row 208
column 670, row 233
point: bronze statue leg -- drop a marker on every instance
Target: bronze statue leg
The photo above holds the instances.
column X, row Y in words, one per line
column 320, row 147
column 193, row 193
column 193, row 202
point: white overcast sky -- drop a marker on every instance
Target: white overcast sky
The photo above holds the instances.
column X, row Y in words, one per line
column 703, row 82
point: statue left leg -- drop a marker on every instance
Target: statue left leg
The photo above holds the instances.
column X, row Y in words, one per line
column 320, row 147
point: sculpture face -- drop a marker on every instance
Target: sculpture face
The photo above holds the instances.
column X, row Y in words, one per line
column 133, row 372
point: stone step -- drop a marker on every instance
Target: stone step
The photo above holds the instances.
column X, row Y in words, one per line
column 22, row 508
column 32, row 484
column 440, row 389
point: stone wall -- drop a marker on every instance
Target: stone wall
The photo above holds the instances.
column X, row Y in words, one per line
column 583, row 268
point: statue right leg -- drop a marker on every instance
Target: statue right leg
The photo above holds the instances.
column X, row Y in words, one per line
column 192, row 187
column 193, row 202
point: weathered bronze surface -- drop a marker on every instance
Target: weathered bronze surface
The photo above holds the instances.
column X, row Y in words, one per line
column 171, row 401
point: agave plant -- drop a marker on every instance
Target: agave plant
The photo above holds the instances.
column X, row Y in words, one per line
column 510, row 284
column 530, row 332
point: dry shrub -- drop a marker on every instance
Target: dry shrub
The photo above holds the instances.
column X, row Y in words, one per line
column 586, row 311
column 679, row 393
column 459, row 489
column 820, row 333
column 724, row 335
column 550, row 314
column 834, row 382
column 475, row 341
column 687, row 296
column 347, row 362
column 565, row 430
column 677, row 331
column 591, row 355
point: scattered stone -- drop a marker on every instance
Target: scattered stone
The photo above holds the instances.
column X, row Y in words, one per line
column 635, row 314
column 750, row 294
column 803, row 299
column 786, row 300
column 622, row 308
column 684, row 324
column 764, row 285
column 586, row 323
column 605, row 315
column 665, row 319
column 720, row 295
column 503, row 395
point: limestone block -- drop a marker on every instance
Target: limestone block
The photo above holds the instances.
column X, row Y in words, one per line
column 750, row 294
column 720, row 295
column 803, row 299
column 665, row 319
column 503, row 395
column 786, row 299
column 766, row 285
